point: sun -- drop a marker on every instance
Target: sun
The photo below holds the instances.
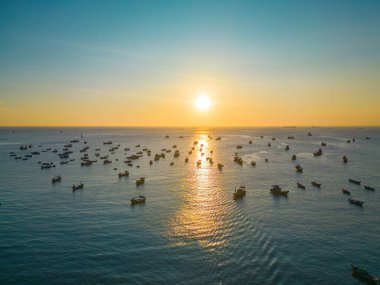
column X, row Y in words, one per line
column 203, row 102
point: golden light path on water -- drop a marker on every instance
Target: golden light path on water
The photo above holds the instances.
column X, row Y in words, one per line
column 201, row 218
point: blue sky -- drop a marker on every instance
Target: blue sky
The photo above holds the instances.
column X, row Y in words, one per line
column 65, row 47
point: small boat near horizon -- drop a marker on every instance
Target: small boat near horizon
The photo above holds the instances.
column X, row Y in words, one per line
column 366, row 187
column 356, row 202
column 316, row 184
column 56, row 179
column 346, row 191
column 77, row 187
column 138, row 200
column 357, row 182
column 299, row 185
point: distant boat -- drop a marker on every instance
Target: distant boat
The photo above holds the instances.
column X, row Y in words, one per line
column 369, row 188
column 299, row 168
column 77, row 187
column 239, row 146
column 318, row 152
column 56, row 179
column 354, row 181
column 316, row 184
column 269, row 145
column 107, row 142
column 123, row 174
column 140, row 181
column 239, row 193
column 294, row 157
column 363, row 275
column 356, row 202
column 186, row 160
column 309, row 134
column 323, row 144
column 218, row 138
column 287, row 147
column 276, row 190
column 346, row 191
column 299, row 185
column 138, row 200
column 220, row 166
column 250, row 142
column 253, row 163
column 345, row 159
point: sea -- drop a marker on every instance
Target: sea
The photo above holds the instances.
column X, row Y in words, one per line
column 190, row 230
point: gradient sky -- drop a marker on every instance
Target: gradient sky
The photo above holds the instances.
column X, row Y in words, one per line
column 143, row 63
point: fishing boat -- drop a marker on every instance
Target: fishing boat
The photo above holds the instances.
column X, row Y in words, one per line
column 299, row 168
column 356, row 202
column 287, row 147
column 363, row 275
column 171, row 163
column 199, row 162
column 123, row 174
column 345, row 159
column 238, row 160
column 138, row 200
column 318, row 152
column 176, row 153
column 346, row 191
column 309, row 134
column 366, row 187
column 77, row 187
column 299, row 185
column 140, row 181
column 220, row 166
column 86, row 163
column 186, row 160
column 253, row 163
column 218, row 138
column 269, row 145
column 294, row 157
column 239, row 146
column 354, row 181
column 250, row 142
column 316, row 184
column 239, row 193
column 150, row 162
column 276, row 190
column 56, row 179
column 323, row 144
column 107, row 142
column 107, row 161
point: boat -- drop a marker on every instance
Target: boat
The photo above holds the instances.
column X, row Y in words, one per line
column 299, row 185
column 171, row 163
column 366, row 187
column 186, row 160
column 218, row 138
column 356, row 202
column 76, row 187
column 250, row 142
column 346, row 191
column 294, row 157
column 239, row 193
column 123, row 174
column 253, row 163
column 276, row 190
column 287, row 147
column 318, row 152
column 345, row 159
column 107, row 161
column 238, row 160
column 220, row 166
column 323, row 144
column 239, row 146
column 354, row 181
column 316, row 184
column 167, row 136
column 150, row 162
column 107, row 142
column 299, row 168
column 140, row 181
column 176, row 153
column 309, row 134
column 199, row 162
column 138, row 200
column 363, row 275
column 86, row 163
column 266, row 160
column 269, row 145
column 56, row 179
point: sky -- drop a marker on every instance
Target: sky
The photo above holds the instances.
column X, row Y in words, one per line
column 143, row 63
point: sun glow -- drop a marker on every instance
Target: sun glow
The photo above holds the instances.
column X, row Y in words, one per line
column 203, row 102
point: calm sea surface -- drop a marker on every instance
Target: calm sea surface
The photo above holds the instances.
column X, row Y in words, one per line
column 190, row 230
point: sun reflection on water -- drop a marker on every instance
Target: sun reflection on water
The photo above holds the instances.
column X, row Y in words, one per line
column 201, row 218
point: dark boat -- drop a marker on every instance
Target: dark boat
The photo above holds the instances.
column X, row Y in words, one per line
column 123, row 174
column 366, row 187
column 299, row 168
column 356, row 202
column 77, row 187
column 309, row 134
column 299, row 185
column 56, row 179
column 138, row 200
column 316, row 184
column 287, row 147
column 346, row 191
column 318, row 153
column 140, row 181
column 250, row 142
column 345, row 159
column 253, row 163
column 364, row 276
column 323, row 144
column 239, row 193
column 276, row 190
column 354, row 181
column 220, row 166
column 294, row 157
